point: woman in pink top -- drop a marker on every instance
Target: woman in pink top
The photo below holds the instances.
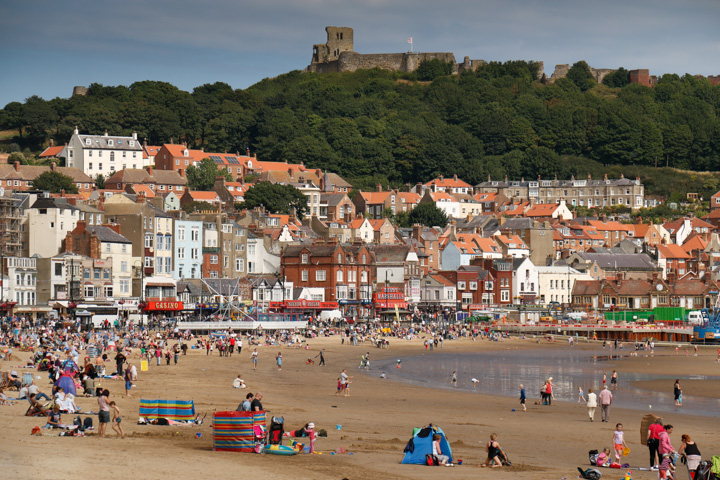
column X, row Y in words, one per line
column 665, row 445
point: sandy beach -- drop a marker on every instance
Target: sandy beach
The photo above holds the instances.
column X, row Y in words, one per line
column 377, row 419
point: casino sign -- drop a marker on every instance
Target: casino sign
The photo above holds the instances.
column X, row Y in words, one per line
column 163, row 306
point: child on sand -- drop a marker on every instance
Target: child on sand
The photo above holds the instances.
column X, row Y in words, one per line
column 667, row 466
column 438, row 453
column 495, row 451
column 278, row 359
column 523, row 397
column 116, row 419
column 453, row 379
column 581, row 395
column 619, row 441
column 604, row 458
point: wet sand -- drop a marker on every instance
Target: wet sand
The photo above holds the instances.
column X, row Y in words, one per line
column 377, row 420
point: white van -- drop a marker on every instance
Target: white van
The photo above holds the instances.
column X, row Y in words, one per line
column 695, row 317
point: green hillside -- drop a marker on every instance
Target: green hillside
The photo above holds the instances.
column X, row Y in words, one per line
column 380, row 126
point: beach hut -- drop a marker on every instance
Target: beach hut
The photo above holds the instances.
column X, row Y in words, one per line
column 421, row 444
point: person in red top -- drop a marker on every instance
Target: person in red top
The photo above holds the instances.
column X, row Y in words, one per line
column 653, row 442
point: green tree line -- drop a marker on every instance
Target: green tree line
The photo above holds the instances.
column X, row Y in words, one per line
column 397, row 128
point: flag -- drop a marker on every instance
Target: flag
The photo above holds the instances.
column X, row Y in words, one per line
column 410, row 40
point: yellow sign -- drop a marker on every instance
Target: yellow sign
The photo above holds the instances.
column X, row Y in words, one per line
column 143, row 365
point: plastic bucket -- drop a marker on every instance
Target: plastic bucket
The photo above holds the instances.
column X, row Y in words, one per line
column 339, row 427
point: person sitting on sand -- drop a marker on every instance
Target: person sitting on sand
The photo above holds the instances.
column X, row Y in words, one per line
column 54, row 418
column 438, row 453
column 4, row 400
column 239, row 383
column 35, row 408
column 495, row 452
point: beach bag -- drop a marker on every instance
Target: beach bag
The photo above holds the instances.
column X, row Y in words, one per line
column 593, row 454
column 87, row 423
column 590, row 473
column 431, row 460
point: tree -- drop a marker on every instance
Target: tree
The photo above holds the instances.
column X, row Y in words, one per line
column 276, row 198
column 198, row 207
column 100, row 181
column 54, row 182
column 581, row 76
column 429, row 70
column 428, row 214
column 617, row 79
column 202, row 177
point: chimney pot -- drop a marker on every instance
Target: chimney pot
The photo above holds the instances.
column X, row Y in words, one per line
column 53, row 165
column 17, row 166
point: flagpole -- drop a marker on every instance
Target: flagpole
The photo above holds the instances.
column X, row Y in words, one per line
column 410, row 41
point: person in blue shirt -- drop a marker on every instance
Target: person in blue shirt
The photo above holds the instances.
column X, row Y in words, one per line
column 523, row 397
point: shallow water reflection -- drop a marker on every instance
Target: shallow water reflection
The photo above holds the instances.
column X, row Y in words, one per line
column 501, row 373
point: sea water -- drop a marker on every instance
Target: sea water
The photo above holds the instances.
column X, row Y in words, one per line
column 502, row 372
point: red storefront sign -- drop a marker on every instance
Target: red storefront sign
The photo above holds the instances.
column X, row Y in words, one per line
column 305, row 305
column 164, row 306
column 389, row 297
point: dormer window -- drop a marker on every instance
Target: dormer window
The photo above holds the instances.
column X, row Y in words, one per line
column 131, row 143
column 110, row 143
column 87, row 141
column 186, row 153
column 249, row 164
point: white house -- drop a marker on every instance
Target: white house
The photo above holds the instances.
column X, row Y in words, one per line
column 20, row 284
column 49, row 221
column 525, row 281
column 259, row 260
column 188, row 248
column 105, row 154
column 555, row 283
column 468, row 246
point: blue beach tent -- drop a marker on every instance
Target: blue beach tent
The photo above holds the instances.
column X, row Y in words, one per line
column 421, row 444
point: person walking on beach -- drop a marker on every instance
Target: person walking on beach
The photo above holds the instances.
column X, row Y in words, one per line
column 116, row 419
column 605, row 398
column 613, row 380
column 254, row 358
column 604, row 379
column 581, row 395
column 523, row 397
column 475, row 382
column 278, row 360
column 619, row 441
column 256, row 404
column 453, row 379
column 104, row 413
column 322, row 357
column 549, row 395
column 591, row 404
column 677, row 392
column 653, row 442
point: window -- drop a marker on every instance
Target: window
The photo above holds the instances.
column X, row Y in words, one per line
column 304, row 258
column 124, row 267
column 124, row 286
column 168, row 242
column 181, row 234
column 96, row 273
column 195, row 235
column 112, row 156
column 339, row 276
column 194, row 253
column 159, row 242
column 304, row 275
column 159, row 263
column 90, row 166
column 100, row 153
column 239, row 265
column 320, row 275
column 505, row 295
column 473, row 285
column 58, row 269
column 213, row 259
column 181, row 253
column 461, row 286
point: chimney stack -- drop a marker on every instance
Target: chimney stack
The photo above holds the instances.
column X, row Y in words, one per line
column 379, row 188
column 134, row 135
column 150, row 170
column 53, row 165
column 17, row 166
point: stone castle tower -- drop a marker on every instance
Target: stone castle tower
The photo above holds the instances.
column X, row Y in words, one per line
column 339, row 40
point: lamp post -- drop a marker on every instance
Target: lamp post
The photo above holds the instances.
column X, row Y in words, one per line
column 139, row 265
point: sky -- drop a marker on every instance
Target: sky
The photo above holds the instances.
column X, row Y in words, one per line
column 47, row 46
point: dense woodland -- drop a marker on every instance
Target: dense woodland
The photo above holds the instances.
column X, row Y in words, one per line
column 379, row 126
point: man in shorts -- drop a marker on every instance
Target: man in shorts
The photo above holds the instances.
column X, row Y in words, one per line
column 128, row 380
column 104, row 413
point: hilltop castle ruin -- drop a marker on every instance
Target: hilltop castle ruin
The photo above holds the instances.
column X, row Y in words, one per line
column 338, row 55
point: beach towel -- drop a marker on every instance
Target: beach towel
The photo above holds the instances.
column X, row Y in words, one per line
column 181, row 410
column 235, row 431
